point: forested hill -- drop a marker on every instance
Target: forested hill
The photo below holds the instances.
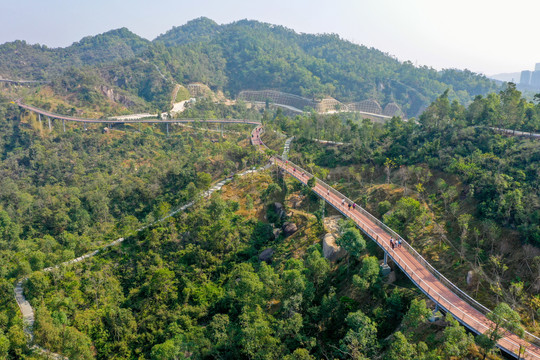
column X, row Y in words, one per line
column 21, row 60
column 248, row 55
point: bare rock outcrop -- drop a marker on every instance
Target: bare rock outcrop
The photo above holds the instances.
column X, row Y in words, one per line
column 289, row 228
column 279, row 209
column 331, row 250
column 112, row 95
column 266, row 255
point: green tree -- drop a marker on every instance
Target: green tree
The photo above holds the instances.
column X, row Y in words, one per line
column 299, row 354
column 400, row 348
column 256, row 335
column 352, row 241
column 76, row 345
column 456, row 339
column 4, row 346
column 317, row 266
column 360, row 342
column 169, row 350
column 502, row 317
column 369, row 273
column 244, row 286
column 418, row 313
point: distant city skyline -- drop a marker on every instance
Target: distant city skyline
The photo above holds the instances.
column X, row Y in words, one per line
column 489, row 37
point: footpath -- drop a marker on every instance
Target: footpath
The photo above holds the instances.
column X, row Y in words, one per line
column 28, row 312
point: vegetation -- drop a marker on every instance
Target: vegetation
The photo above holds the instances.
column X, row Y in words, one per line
column 464, row 195
column 196, row 285
column 244, row 55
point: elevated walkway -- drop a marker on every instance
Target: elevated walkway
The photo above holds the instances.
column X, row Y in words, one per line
column 433, row 284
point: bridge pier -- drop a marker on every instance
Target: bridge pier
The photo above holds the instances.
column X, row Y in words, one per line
column 385, row 269
column 64, row 124
column 39, row 117
column 167, row 129
column 84, row 126
column 50, row 125
column 434, row 316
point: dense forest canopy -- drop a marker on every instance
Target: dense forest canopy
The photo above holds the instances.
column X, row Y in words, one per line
column 244, row 55
column 228, row 278
column 194, row 286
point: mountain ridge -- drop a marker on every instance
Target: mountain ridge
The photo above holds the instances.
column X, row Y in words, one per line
column 247, row 55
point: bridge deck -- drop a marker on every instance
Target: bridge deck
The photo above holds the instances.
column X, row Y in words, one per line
column 419, row 274
column 422, row 277
column 150, row 121
column 415, row 269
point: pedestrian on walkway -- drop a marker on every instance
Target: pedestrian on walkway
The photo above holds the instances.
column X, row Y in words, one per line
column 399, row 243
column 328, row 192
column 354, row 206
column 392, row 243
column 343, row 202
column 349, row 206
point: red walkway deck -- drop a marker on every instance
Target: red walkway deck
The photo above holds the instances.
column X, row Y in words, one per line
column 409, row 261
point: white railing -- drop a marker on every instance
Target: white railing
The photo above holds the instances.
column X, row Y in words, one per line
column 419, row 280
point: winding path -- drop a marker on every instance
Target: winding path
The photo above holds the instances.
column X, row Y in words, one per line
column 432, row 283
column 28, row 312
column 517, row 133
column 443, row 292
column 286, row 148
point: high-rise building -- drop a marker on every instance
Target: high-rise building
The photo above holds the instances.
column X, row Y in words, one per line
column 535, row 79
column 525, row 78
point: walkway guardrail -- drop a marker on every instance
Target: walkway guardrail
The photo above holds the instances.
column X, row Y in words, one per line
column 144, row 120
column 450, row 306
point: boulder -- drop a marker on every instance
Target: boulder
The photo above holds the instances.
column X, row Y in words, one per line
column 296, row 201
column 331, row 250
column 266, row 255
column 278, row 208
column 289, row 228
column 469, row 277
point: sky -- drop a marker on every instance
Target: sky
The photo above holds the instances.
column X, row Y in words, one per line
column 488, row 37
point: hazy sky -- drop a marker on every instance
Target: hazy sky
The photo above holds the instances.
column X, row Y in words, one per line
column 484, row 36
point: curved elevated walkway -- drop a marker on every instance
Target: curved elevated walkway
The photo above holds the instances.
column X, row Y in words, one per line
column 134, row 121
column 439, row 289
column 443, row 292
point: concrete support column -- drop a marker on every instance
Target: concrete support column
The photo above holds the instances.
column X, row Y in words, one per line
column 39, row 117
column 64, row 124
column 50, row 125
column 385, row 269
column 84, row 125
column 434, row 316
column 167, row 129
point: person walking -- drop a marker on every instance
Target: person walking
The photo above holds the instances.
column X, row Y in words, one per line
column 328, row 192
column 399, row 243
column 392, row 243
column 343, row 202
column 349, row 206
column 354, row 206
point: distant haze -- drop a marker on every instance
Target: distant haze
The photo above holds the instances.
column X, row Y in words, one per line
column 484, row 36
